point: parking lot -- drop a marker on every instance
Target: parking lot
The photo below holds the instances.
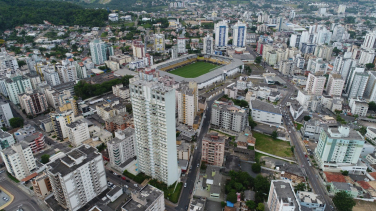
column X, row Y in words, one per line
column 2, row 201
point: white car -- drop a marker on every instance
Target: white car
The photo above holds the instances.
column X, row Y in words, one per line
column 185, row 185
column 115, row 173
column 136, row 185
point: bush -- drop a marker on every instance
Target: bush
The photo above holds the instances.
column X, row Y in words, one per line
column 139, row 178
column 45, row 159
column 256, row 168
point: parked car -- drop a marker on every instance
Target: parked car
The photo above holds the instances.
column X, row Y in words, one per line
column 185, row 185
column 123, row 178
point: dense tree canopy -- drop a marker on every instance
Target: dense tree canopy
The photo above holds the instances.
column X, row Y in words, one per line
column 15, row 13
column 45, row 158
column 86, row 90
column 343, row 201
column 16, row 122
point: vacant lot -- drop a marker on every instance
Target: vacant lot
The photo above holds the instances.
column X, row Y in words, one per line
column 276, row 147
column 364, row 206
column 194, row 70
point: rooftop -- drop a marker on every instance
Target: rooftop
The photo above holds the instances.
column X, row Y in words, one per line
column 213, row 137
column 264, row 106
column 334, row 177
column 141, row 200
column 59, row 166
column 310, row 197
column 285, row 193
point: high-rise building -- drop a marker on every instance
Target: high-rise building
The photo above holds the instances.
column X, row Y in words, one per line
column 340, row 33
column 159, row 42
column 187, row 95
column 5, row 114
column 181, row 42
column 370, row 91
column 341, row 9
column 138, row 48
column 17, row 85
column 122, row 148
column 51, row 76
column 335, row 84
column 221, row 34
column 7, row 61
column 98, row 50
column 6, row 140
column 323, row 36
column 370, row 41
column 148, row 198
column 336, row 146
column 356, row 82
column 213, row 149
column 367, row 56
column 239, row 33
column 286, row 67
column 229, row 116
column 208, row 45
column 154, row 121
column 33, row 102
column 77, row 177
column 78, row 132
column 282, row 197
column 358, row 106
column 315, row 84
column 19, row 160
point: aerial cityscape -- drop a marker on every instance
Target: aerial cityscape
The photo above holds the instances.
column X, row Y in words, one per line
column 187, row 105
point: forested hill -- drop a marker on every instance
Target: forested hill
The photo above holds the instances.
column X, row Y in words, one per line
column 18, row 12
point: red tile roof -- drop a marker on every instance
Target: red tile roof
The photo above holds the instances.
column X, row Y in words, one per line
column 334, row 177
column 364, row 185
column 31, row 176
column 373, row 174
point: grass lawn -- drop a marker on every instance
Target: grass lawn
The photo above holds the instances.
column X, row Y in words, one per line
column 169, row 192
column 298, row 126
column 130, row 24
column 276, row 147
column 13, row 178
column 194, row 70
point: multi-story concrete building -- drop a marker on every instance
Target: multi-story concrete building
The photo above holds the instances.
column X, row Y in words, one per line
column 17, row 85
column 311, row 200
column 335, row 84
column 340, row 34
column 33, row 102
column 282, row 197
column 208, row 45
column 138, row 48
column 366, row 56
column 77, row 177
column 356, row 83
column 239, row 34
column 317, row 66
column 286, row 67
column 358, row 106
column 370, row 91
column 35, row 141
column 78, row 132
column 19, row 160
column 154, row 121
column 371, row 134
column 148, row 198
column 120, row 91
column 187, row 95
column 370, row 41
column 221, row 34
column 6, row 140
column 315, row 84
column 341, row 9
column 5, row 114
column 337, row 146
column 59, row 121
column 7, row 61
column 42, row 185
column 213, row 149
column 265, row 112
column 98, row 50
column 51, row 76
column 324, row 52
column 181, row 43
column 122, row 148
column 159, row 42
column 228, row 116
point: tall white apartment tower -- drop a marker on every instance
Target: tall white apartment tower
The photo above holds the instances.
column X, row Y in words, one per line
column 98, row 50
column 356, row 82
column 335, row 84
column 315, row 84
column 208, row 45
column 239, row 34
column 187, row 95
column 221, row 34
column 282, row 197
column 370, row 41
column 154, row 121
column 370, row 91
column 77, row 177
column 19, row 160
column 341, row 8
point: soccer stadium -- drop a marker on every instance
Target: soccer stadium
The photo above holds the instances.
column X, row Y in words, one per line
column 204, row 69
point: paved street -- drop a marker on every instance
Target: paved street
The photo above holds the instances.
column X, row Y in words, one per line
column 191, row 178
column 317, row 187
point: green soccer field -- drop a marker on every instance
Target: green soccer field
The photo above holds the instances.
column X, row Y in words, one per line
column 194, row 70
